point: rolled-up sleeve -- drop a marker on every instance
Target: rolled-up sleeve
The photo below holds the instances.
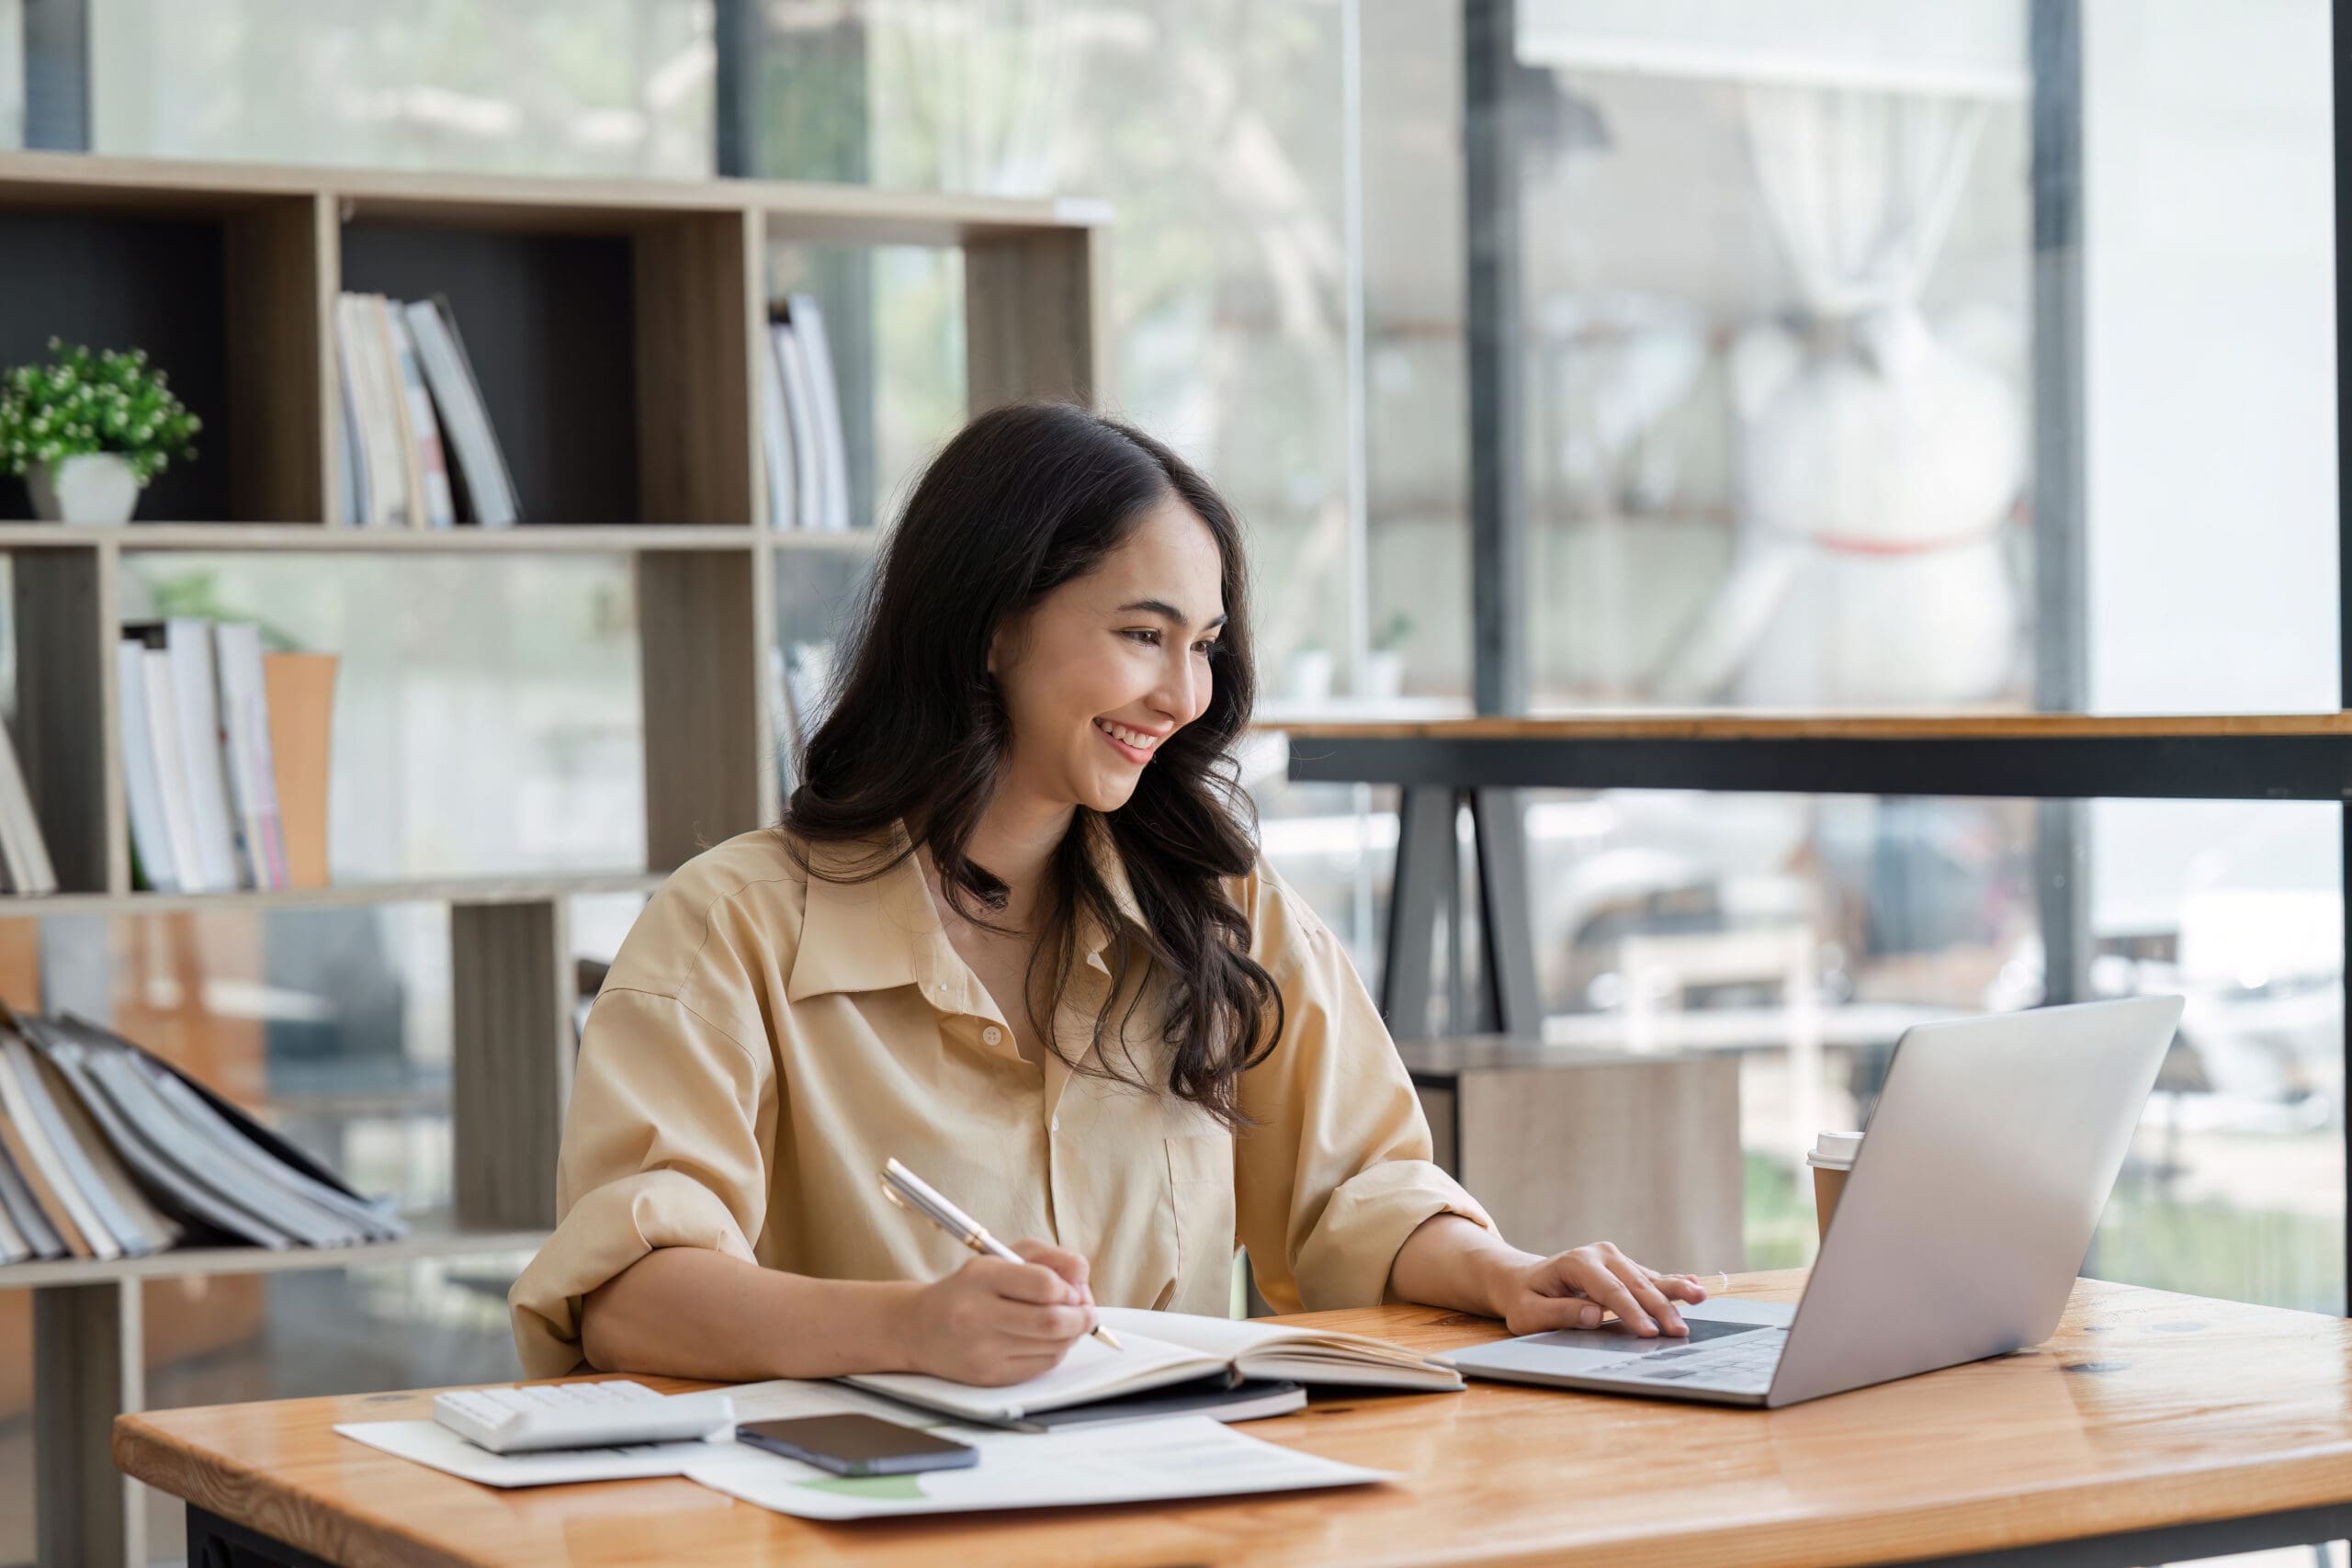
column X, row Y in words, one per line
column 1334, row 1173
column 664, row 1145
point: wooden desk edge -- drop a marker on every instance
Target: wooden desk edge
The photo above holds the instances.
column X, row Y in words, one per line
column 1732, row 725
column 2126, row 1502
column 147, row 1452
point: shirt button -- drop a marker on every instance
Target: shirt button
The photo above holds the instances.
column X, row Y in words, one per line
column 992, row 1035
column 1055, row 1125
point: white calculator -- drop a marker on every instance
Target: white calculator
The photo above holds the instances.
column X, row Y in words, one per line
column 581, row 1415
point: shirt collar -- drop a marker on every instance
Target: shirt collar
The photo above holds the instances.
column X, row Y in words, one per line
column 877, row 934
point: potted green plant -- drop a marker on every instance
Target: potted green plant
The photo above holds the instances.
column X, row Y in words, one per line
column 89, row 430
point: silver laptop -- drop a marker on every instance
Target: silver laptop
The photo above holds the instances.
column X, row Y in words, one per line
column 1959, row 1234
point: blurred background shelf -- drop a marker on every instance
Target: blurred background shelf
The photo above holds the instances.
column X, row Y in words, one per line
column 430, row 1237
column 618, row 330
column 518, row 889
column 519, row 540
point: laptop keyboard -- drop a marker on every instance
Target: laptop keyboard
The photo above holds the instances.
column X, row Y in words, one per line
column 1742, row 1363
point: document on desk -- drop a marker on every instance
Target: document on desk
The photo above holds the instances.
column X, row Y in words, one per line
column 1190, row 1456
column 429, row 1443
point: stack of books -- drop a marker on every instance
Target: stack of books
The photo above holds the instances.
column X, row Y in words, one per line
column 206, row 716
column 415, row 440
column 108, row 1152
column 803, row 455
column 24, row 855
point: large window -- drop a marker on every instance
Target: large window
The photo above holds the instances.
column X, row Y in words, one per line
column 12, row 73
column 1822, row 411
column 1802, row 934
column 540, row 86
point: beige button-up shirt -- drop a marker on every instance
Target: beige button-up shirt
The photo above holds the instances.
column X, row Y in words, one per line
column 765, row 1040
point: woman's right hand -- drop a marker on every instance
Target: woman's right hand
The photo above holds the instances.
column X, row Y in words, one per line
column 992, row 1323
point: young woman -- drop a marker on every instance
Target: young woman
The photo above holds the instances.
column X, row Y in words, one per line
column 1012, row 931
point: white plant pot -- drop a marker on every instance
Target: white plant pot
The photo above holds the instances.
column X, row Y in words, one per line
column 1306, row 675
column 97, row 486
column 1384, row 673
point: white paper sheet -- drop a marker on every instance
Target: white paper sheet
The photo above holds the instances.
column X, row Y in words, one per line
column 428, row 1443
column 1185, row 1457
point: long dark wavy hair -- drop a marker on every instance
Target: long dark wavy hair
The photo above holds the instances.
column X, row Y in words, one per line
column 1027, row 497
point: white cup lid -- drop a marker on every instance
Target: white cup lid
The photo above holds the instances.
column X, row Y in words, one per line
column 1834, row 1150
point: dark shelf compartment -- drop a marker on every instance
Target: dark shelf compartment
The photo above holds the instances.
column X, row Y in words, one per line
column 112, row 280
column 548, row 323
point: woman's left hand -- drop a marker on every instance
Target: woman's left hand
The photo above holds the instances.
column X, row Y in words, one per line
column 1572, row 1289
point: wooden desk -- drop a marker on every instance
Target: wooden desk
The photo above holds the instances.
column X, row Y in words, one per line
column 2171, row 1427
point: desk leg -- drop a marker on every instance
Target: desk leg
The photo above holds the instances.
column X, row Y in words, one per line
column 1425, row 869
column 89, row 1366
column 1505, row 912
column 216, row 1542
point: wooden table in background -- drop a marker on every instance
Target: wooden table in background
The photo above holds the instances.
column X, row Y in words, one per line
column 1566, row 1146
column 1441, row 765
column 2153, row 1427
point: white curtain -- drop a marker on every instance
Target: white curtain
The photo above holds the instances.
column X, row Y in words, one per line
column 1861, row 187
column 988, row 87
column 1874, row 474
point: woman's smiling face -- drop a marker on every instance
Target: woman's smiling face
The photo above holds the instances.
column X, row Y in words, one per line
column 1104, row 669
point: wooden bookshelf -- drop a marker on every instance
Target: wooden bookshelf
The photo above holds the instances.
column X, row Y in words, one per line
column 615, row 328
column 238, row 538
column 428, row 1238
column 523, row 888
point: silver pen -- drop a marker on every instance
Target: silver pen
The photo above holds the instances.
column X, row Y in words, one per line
column 908, row 1190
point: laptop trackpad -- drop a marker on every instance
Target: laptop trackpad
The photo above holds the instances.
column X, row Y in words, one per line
column 1616, row 1340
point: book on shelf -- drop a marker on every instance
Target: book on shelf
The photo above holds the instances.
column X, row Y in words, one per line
column 808, row 319
column 369, row 378
column 184, row 719
column 805, row 385
column 400, row 423
column 155, row 862
column 25, row 1215
column 805, row 500
column 73, row 1211
column 299, row 697
column 244, row 738
column 106, row 1152
column 432, row 506
column 140, row 1227
column 164, row 836
column 224, row 757
column 351, row 471
column 59, row 1235
column 480, row 468
column 13, row 1248
column 424, row 454
column 778, row 468
column 24, row 855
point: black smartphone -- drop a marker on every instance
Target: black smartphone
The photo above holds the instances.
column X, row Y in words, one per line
column 857, row 1445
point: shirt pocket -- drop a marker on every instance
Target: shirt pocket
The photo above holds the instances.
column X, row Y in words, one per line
column 1200, row 1195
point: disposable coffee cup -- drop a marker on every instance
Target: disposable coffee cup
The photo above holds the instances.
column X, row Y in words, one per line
column 1832, row 1156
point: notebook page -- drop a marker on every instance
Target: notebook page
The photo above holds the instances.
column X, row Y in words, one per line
column 1092, row 1371
column 1232, row 1337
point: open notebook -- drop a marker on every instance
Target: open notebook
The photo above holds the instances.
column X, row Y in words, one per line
column 1165, row 1348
